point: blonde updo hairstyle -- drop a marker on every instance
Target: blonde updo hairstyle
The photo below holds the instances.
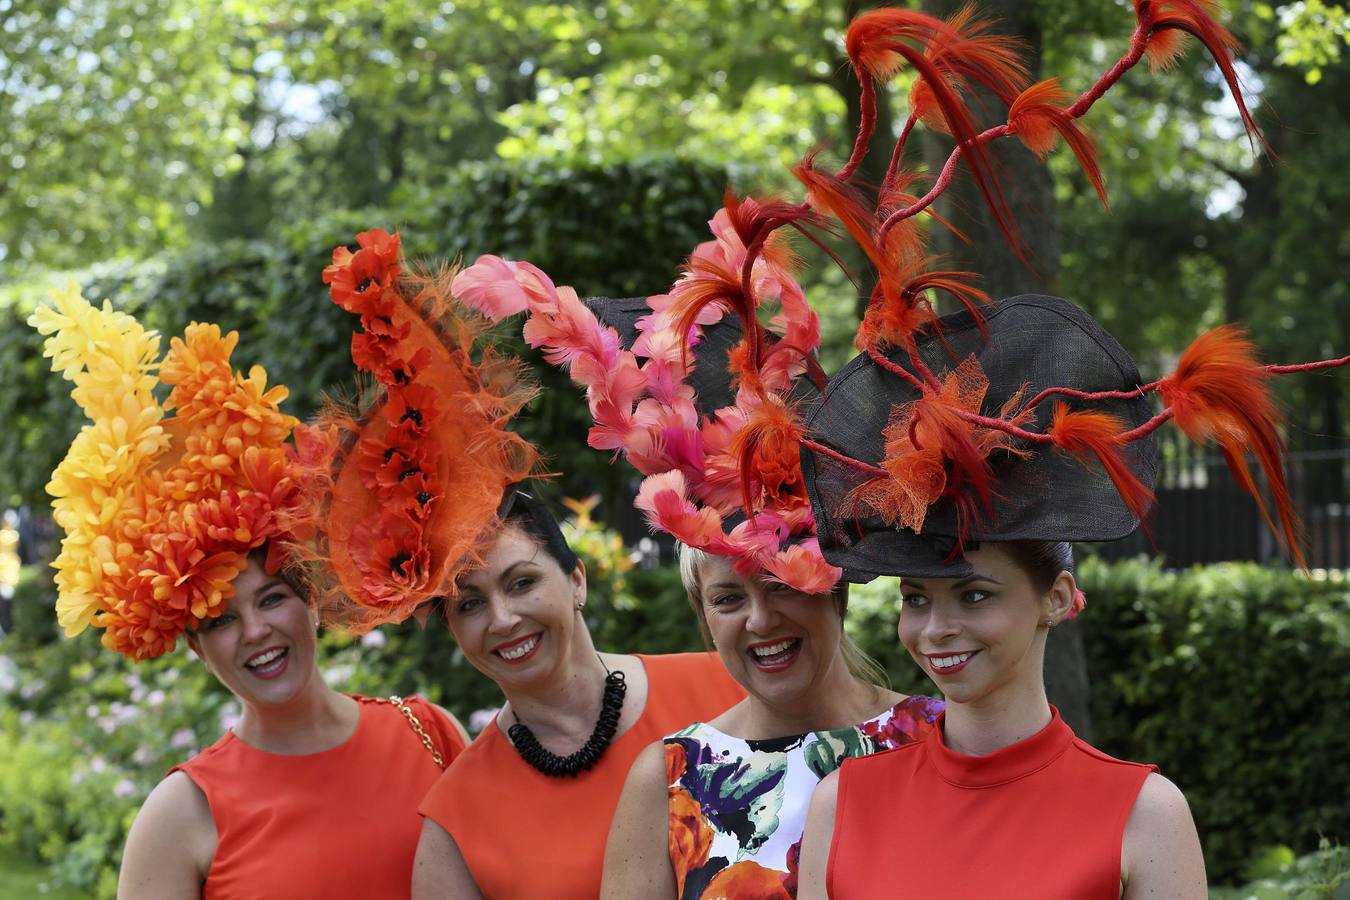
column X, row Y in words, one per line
column 860, row 665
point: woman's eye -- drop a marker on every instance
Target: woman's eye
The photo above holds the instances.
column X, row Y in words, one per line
column 726, row 600
column 272, row 599
column 219, row 621
column 914, row 601
column 522, row 584
column 975, row 596
column 468, row 604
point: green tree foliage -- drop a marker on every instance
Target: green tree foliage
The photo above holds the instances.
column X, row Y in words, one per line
column 619, row 228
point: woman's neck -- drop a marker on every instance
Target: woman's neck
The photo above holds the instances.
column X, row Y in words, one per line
column 564, row 708
column 317, row 718
column 838, row 700
column 997, row 720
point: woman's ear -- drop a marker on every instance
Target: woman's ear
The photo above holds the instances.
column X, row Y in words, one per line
column 1057, row 603
column 195, row 646
column 578, row 579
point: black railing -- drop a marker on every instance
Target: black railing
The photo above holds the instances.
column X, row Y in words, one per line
column 1203, row 516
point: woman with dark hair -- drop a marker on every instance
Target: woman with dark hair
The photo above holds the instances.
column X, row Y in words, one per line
column 420, row 493
column 562, row 744
column 964, row 454
column 717, row 808
column 182, row 525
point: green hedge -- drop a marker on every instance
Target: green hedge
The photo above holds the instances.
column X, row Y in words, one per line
column 617, row 230
column 1235, row 680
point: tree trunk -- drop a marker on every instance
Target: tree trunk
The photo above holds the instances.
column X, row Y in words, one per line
column 1029, row 192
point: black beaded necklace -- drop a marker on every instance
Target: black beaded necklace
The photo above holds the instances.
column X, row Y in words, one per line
column 555, row 766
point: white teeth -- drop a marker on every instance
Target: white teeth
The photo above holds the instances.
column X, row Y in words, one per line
column 773, row 649
column 945, row 662
column 264, row 658
column 519, row 650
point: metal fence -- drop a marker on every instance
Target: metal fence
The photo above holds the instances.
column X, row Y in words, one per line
column 1202, row 516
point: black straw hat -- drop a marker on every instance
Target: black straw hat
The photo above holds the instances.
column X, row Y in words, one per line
column 1028, row 343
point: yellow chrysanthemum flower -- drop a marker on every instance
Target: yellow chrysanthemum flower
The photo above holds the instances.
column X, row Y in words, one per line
column 110, row 359
column 159, row 512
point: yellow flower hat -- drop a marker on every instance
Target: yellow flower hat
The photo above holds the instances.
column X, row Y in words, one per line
column 160, row 511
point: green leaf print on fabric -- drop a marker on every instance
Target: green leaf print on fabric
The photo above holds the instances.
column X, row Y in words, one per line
column 830, row 748
column 741, row 796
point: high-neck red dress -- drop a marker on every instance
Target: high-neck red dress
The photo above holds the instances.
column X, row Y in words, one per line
column 1043, row 818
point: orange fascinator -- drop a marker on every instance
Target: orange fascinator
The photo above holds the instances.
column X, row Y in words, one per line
column 161, row 503
column 406, row 489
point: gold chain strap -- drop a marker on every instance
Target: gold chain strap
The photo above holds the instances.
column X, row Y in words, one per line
column 417, row 727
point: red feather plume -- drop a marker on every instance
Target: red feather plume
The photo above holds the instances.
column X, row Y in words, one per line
column 1089, row 434
column 1220, row 392
column 880, row 41
column 767, row 450
column 1169, row 19
column 893, row 319
column 1038, row 118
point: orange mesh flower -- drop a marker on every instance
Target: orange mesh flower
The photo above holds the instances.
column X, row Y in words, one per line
column 406, row 489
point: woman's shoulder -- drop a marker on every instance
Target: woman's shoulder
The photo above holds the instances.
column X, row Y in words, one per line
column 1097, row 759
column 908, row 721
column 419, row 715
column 683, row 671
column 177, row 807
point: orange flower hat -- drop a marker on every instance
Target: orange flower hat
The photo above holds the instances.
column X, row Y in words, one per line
column 404, row 485
column 160, row 513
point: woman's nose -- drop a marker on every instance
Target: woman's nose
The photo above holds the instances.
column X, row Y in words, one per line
column 504, row 618
column 763, row 617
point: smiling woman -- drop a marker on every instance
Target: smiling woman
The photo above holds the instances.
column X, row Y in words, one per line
column 186, row 526
column 419, row 489
column 563, row 742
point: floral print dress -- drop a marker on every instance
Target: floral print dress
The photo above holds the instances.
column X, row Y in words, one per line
column 738, row 807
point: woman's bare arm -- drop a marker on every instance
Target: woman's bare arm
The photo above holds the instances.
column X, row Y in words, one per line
column 817, row 839
column 637, row 855
column 1160, row 857
column 170, row 845
column 439, row 869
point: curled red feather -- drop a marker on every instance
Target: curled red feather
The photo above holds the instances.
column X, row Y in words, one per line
column 880, row 41
column 1169, row 20
column 1037, row 116
column 1090, row 434
column 1220, row 392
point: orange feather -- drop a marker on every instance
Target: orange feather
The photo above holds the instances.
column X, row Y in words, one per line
column 1198, row 18
column 1220, row 392
column 1088, row 435
column 1038, row 118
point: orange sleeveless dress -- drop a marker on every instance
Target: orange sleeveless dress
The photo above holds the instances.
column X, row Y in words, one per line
column 1043, row 818
column 340, row 823
column 524, row 834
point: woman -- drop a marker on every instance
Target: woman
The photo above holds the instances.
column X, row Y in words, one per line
column 293, row 776
column 717, row 809
column 948, row 443
column 540, row 784
column 182, row 526
column 1003, row 780
column 420, row 492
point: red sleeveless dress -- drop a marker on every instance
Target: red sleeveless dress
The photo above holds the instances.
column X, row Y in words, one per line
column 1043, row 818
column 526, row 835
column 340, row 823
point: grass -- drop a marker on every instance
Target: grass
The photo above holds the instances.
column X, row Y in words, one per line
column 21, row 878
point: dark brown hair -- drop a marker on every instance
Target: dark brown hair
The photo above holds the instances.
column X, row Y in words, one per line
column 1041, row 560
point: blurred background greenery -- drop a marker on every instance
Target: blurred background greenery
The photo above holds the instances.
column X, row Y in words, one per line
column 193, row 160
